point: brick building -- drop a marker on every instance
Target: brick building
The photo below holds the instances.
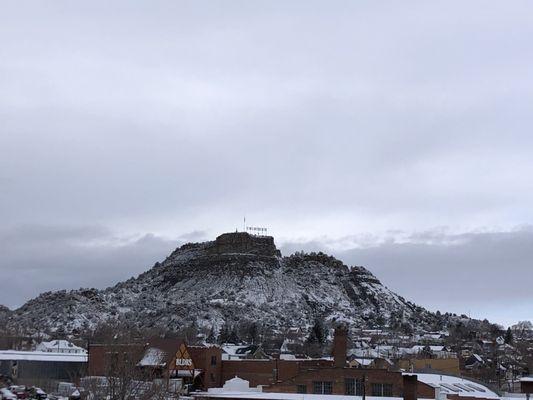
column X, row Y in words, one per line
column 278, row 379
column 432, row 365
column 167, row 359
column 526, row 385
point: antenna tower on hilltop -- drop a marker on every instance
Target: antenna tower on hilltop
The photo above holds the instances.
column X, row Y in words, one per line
column 254, row 230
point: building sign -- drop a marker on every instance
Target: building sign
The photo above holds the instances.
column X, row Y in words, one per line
column 256, row 230
column 183, row 359
column 183, row 362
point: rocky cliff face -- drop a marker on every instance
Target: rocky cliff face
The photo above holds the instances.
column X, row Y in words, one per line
column 237, row 278
column 4, row 315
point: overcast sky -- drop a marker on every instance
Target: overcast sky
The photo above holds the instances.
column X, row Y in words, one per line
column 396, row 135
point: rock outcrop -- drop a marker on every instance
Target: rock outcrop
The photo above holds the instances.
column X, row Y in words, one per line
column 238, row 278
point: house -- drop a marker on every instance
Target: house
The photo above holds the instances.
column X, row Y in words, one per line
column 242, row 352
column 432, row 351
column 60, row 346
column 475, row 361
column 442, row 365
column 375, row 363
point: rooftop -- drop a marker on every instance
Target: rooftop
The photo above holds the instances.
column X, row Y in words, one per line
column 16, row 355
column 455, row 385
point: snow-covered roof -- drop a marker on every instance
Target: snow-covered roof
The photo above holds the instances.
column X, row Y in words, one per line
column 13, row 355
column 419, row 348
column 364, row 361
column 153, row 357
column 455, row 385
column 287, row 356
column 238, row 350
column 59, row 346
column 236, row 385
column 526, row 379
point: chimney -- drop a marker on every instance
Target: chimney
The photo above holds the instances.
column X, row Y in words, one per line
column 340, row 345
column 410, row 387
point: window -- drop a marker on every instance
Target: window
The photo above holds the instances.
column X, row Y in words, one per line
column 382, row 389
column 212, row 377
column 213, row 360
column 387, row 390
column 301, row 389
column 320, row 387
column 354, row 387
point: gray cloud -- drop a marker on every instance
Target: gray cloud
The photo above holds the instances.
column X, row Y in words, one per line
column 317, row 120
column 36, row 259
column 484, row 274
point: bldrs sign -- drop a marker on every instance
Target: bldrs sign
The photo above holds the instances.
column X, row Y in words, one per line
column 183, row 362
column 183, row 359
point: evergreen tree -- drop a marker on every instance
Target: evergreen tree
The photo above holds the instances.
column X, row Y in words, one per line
column 224, row 334
column 252, row 332
column 211, row 337
column 318, row 333
column 233, row 337
column 509, row 336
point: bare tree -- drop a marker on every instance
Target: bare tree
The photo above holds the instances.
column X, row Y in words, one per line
column 123, row 378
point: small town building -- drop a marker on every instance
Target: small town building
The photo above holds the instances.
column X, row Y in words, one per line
column 430, row 365
column 60, row 346
column 43, row 369
column 170, row 360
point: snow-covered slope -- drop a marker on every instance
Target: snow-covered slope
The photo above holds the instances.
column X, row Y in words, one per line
column 4, row 314
column 235, row 279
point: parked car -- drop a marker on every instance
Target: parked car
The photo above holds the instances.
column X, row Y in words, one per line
column 37, row 393
column 19, row 391
column 6, row 394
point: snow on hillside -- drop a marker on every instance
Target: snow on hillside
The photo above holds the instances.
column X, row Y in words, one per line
column 236, row 278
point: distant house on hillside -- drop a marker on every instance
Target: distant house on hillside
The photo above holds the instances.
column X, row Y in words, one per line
column 474, row 361
column 242, row 352
column 60, row 346
column 432, row 351
column 374, row 363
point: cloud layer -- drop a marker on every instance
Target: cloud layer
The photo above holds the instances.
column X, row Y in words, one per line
column 483, row 274
column 319, row 120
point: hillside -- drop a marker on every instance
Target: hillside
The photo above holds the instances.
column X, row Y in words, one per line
column 235, row 279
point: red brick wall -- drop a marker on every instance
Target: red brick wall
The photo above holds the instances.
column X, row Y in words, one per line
column 526, row 387
column 99, row 356
column 340, row 345
column 257, row 372
column 201, row 357
column 457, row 397
column 266, row 372
column 410, row 387
column 337, row 377
column 425, row 391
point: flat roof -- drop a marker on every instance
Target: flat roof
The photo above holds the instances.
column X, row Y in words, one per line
column 284, row 396
column 16, row 355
